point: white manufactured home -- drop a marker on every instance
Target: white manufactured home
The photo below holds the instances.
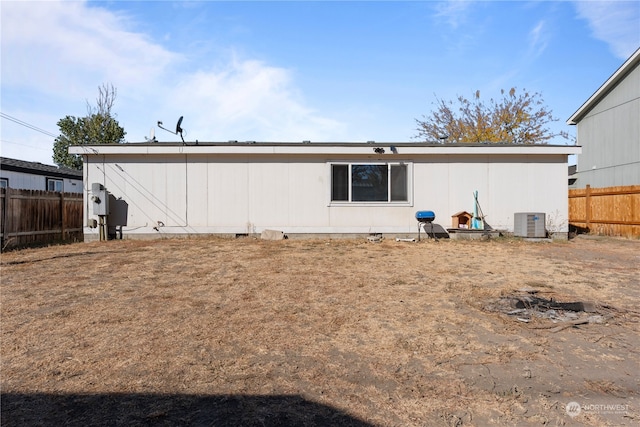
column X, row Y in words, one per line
column 24, row 175
column 318, row 189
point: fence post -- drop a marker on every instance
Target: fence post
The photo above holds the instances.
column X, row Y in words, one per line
column 63, row 218
column 587, row 201
column 7, row 221
column 3, row 217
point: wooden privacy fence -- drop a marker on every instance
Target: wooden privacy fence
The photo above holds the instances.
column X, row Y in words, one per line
column 610, row 211
column 35, row 217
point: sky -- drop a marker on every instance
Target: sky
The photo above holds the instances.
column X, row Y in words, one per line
column 289, row 71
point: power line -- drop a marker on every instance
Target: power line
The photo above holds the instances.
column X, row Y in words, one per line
column 4, row 141
column 27, row 125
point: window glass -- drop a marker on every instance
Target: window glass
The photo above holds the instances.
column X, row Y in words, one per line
column 4, row 183
column 399, row 183
column 54, row 184
column 340, row 182
column 369, row 183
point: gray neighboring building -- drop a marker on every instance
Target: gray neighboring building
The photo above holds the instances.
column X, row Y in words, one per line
column 608, row 129
column 23, row 175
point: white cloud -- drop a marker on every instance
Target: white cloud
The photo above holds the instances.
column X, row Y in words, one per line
column 248, row 100
column 538, row 39
column 62, row 48
column 55, row 55
column 454, row 12
column 617, row 23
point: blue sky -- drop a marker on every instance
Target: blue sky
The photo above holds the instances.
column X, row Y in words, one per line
column 329, row 71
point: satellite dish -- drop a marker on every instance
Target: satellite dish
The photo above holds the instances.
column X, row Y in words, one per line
column 152, row 136
column 178, row 128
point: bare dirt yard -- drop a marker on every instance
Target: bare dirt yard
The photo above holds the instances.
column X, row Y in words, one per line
column 210, row 331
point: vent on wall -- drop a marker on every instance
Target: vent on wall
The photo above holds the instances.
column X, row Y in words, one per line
column 529, row 224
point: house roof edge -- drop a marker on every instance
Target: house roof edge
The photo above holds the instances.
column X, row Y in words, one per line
column 605, row 88
column 380, row 149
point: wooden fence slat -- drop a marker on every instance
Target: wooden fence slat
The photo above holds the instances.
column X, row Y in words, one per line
column 613, row 211
column 36, row 217
column 35, row 233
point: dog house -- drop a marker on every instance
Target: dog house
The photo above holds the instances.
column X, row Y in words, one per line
column 461, row 220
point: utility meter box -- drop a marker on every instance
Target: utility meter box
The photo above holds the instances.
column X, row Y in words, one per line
column 99, row 199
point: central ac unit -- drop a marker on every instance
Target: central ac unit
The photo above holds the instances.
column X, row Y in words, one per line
column 529, row 224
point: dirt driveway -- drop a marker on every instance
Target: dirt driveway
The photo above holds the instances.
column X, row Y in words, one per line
column 209, row 331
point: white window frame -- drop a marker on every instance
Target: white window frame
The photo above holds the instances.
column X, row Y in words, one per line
column 4, row 182
column 349, row 202
column 56, row 180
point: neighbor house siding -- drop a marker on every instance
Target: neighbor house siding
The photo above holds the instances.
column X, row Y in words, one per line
column 24, row 175
column 27, row 181
column 608, row 129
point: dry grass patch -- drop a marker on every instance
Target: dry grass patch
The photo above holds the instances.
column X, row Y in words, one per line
column 312, row 332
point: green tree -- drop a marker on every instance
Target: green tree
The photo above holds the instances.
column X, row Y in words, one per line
column 516, row 118
column 98, row 127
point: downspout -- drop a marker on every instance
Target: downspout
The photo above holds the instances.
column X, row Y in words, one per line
column 186, row 190
column 85, row 180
